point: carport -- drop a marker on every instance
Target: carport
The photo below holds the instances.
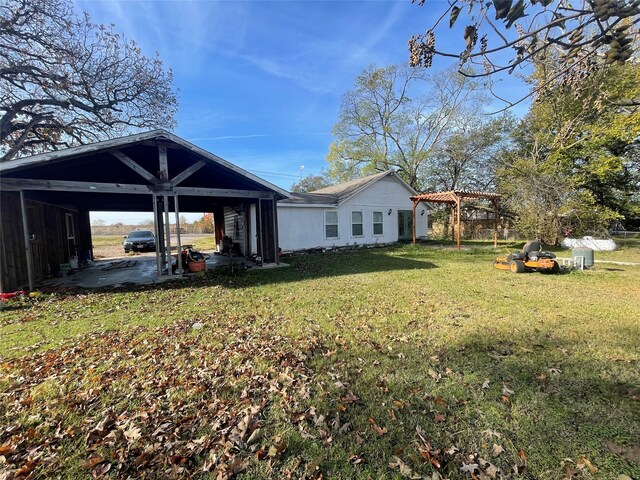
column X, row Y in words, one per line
column 46, row 200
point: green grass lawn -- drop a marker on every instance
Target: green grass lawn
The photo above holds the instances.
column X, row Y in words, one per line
column 402, row 362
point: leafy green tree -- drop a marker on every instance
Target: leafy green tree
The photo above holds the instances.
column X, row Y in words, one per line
column 576, row 162
column 535, row 190
column 397, row 118
column 66, row 81
column 310, row 183
column 595, row 138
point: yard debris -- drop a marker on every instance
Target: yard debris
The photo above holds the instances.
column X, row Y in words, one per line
column 170, row 406
column 404, row 469
column 5, row 297
column 380, row 431
column 239, row 395
column 522, row 456
column 631, row 453
column 584, row 462
column 469, row 468
column 120, row 264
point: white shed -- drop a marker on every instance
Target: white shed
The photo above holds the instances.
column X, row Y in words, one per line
column 369, row 210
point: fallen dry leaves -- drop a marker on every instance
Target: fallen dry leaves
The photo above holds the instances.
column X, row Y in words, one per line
column 162, row 403
column 177, row 403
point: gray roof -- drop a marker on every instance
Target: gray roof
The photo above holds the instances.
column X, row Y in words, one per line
column 310, row 199
column 337, row 194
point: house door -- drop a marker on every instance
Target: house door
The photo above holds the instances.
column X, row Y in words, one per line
column 405, row 224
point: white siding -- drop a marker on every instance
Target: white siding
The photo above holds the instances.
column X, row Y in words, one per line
column 303, row 227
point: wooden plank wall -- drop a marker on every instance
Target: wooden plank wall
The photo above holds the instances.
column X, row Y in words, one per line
column 234, row 226
column 13, row 269
column 50, row 247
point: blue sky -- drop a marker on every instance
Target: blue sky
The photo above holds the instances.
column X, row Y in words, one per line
column 261, row 81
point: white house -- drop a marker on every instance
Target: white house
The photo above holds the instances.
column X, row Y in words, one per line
column 374, row 209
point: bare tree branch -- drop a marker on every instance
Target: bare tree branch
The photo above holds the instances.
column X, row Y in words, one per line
column 66, row 81
column 605, row 30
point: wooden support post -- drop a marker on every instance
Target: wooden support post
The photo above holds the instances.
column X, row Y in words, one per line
column 259, row 213
column 27, row 240
column 458, row 202
column 415, row 204
column 156, row 228
column 495, row 224
column 218, row 224
column 167, row 229
column 453, row 225
column 179, row 262
column 164, row 177
column 164, row 165
column 275, row 230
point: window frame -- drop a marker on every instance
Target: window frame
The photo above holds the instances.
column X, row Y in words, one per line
column 361, row 223
column 374, row 223
column 326, row 224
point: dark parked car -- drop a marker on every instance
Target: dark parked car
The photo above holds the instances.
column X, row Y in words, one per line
column 139, row 240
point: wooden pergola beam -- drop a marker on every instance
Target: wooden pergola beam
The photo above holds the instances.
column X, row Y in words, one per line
column 455, row 198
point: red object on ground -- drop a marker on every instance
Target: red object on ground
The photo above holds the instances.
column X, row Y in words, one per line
column 197, row 266
column 9, row 296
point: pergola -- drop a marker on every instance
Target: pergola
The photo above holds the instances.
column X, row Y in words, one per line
column 455, row 199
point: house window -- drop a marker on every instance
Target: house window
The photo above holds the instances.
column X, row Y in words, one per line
column 377, row 223
column 331, row 224
column 356, row 224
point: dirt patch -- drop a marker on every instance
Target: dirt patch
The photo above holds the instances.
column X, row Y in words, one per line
column 631, row 453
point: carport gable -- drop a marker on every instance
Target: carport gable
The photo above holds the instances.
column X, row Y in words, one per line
column 152, row 162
